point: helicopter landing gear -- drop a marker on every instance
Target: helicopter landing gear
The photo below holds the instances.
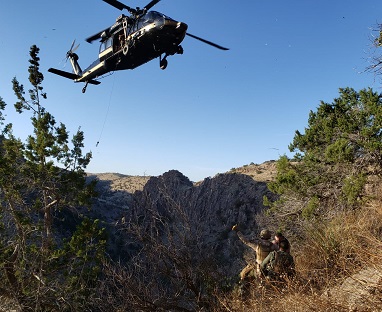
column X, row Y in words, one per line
column 84, row 88
column 163, row 62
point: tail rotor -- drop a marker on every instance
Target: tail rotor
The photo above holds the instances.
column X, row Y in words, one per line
column 71, row 51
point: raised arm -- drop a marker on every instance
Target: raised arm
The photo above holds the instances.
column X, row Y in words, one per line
column 252, row 244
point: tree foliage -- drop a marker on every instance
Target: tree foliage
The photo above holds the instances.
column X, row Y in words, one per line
column 340, row 147
column 345, row 131
column 38, row 180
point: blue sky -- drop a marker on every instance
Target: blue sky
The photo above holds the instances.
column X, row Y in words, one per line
column 210, row 110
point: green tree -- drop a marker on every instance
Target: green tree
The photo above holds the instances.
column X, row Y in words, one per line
column 341, row 145
column 38, row 179
column 345, row 131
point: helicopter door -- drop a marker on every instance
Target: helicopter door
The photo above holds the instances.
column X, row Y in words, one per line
column 106, row 49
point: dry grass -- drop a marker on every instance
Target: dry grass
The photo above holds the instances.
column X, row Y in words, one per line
column 264, row 172
column 7, row 305
column 120, row 182
column 294, row 297
column 338, row 265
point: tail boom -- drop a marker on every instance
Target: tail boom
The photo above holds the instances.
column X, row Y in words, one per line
column 75, row 77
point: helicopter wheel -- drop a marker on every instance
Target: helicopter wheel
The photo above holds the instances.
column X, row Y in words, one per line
column 163, row 64
column 125, row 50
column 84, row 88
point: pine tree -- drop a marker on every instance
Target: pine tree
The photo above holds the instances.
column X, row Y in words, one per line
column 39, row 179
column 340, row 148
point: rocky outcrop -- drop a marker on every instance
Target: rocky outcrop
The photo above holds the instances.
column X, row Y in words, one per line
column 219, row 202
column 358, row 292
column 230, row 198
column 208, row 208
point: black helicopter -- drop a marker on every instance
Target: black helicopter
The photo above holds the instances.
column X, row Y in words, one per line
column 130, row 42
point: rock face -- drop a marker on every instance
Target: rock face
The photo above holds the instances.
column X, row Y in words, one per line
column 223, row 201
column 233, row 197
column 207, row 209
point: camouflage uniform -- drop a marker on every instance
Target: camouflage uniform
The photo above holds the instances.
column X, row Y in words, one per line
column 262, row 247
column 278, row 265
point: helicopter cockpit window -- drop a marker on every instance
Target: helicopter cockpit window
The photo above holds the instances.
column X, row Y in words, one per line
column 150, row 18
column 168, row 17
column 106, row 44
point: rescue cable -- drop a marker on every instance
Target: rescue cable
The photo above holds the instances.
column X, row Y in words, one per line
column 107, row 112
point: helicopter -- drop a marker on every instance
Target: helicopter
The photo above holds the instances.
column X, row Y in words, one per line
column 131, row 42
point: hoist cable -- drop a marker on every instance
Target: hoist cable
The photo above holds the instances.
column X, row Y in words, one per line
column 107, row 112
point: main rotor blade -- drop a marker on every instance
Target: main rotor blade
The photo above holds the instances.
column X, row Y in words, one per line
column 96, row 36
column 206, row 41
column 150, row 5
column 120, row 6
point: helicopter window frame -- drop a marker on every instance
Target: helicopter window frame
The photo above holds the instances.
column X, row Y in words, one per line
column 149, row 18
column 108, row 43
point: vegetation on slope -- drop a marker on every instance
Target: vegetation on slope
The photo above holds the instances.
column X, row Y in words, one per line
column 41, row 180
column 330, row 202
column 328, row 206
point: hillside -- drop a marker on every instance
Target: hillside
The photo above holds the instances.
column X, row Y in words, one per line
column 116, row 191
column 264, row 172
column 169, row 219
column 214, row 205
column 219, row 202
column 120, row 182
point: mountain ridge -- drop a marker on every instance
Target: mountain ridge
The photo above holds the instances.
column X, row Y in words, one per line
column 212, row 205
column 264, row 172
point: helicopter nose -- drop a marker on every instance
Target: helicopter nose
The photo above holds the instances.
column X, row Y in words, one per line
column 181, row 26
column 178, row 26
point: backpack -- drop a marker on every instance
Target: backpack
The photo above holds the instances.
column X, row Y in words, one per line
column 262, row 250
column 281, row 264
